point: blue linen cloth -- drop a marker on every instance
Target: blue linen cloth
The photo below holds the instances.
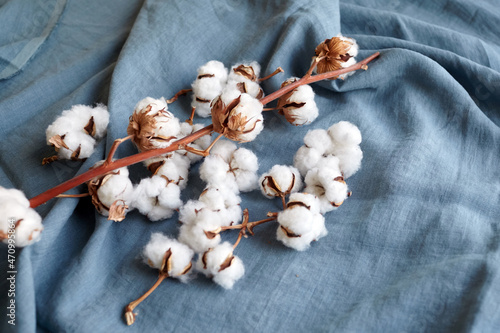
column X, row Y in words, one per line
column 414, row 249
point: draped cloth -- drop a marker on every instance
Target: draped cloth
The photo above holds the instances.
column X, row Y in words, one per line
column 416, row 246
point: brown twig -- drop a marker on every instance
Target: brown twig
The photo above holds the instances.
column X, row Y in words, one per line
column 318, row 77
column 277, row 71
column 176, row 96
column 82, row 195
column 114, row 147
column 129, row 309
column 106, row 168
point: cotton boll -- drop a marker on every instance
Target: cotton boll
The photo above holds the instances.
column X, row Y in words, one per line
column 204, row 91
column 224, row 148
column 327, row 186
column 195, row 234
column 216, row 198
column 344, row 133
column 156, row 198
column 188, row 213
column 215, row 172
column 220, row 264
column 350, row 159
column 152, row 125
column 306, row 158
column 215, row 68
column 310, row 201
column 280, row 180
column 114, row 188
column 17, row 216
column 117, row 187
column 79, row 146
column 300, row 224
column 239, row 119
column 170, row 196
column 299, row 107
column 175, row 170
column 228, row 276
column 318, row 139
column 101, row 120
column 249, row 71
column 244, row 165
column 245, row 86
column 179, row 260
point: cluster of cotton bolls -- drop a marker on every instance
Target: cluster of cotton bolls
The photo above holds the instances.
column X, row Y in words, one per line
column 214, row 79
column 325, row 160
column 75, row 132
column 228, row 170
column 19, row 224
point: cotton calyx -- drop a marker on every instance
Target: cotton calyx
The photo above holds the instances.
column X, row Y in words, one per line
column 301, row 223
column 112, row 193
column 152, row 126
column 73, row 145
column 19, row 223
column 243, row 164
column 298, row 106
column 221, row 265
column 156, row 198
column 281, row 180
column 346, row 138
column 337, row 52
column 169, row 256
column 239, row 120
column 327, row 183
column 209, row 83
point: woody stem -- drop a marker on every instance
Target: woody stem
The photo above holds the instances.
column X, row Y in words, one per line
column 114, row 147
column 130, row 317
column 176, row 96
column 277, row 71
column 318, row 77
column 82, row 195
column 106, row 168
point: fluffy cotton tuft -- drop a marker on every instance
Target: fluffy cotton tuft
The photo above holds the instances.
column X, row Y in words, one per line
column 215, row 172
column 175, row 169
column 209, row 83
column 179, row 260
column 346, row 138
column 19, row 223
column 301, row 223
column 243, row 165
column 74, row 133
column 221, row 265
column 200, row 144
column 298, row 106
column 224, row 148
column 199, row 235
column 279, row 181
column 156, row 198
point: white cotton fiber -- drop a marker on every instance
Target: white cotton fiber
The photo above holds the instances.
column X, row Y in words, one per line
column 300, row 223
column 175, row 170
column 101, row 120
column 194, row 234
column 80, row 145
column 287, row 179
column 300, row 107
column 224, row 148
column 306, row 158
column 243, row 165
column 248, row 108
column 156, row 199
column 209, row 83
column 215, row 172
column 117, row 187
column 319, row 139
column 346, row 138
column 200, row 144
column 188, row 212
column 180, row 258
column 323, row 184
column 210, row 262
column 345, row 133
column 27, row 224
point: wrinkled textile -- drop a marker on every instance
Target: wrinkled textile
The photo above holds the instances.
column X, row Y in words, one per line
column 416, row 246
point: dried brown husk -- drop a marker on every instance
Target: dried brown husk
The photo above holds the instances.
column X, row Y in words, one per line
column 142, row 127
column 246, row 71
column 335, row 52
column 93, row 186
column 226, row 122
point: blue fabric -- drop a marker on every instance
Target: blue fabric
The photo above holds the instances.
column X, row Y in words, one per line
column 416, row 247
